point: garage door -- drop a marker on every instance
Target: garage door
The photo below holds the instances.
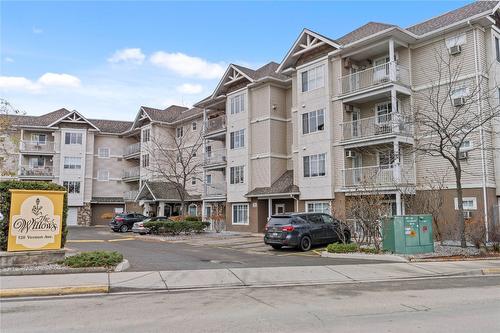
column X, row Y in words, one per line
column 102, row 213
column 72, row 216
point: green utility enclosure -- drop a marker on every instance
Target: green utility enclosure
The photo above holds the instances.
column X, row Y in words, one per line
column 408, row 234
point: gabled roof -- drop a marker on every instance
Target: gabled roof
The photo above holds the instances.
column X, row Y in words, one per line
column 112, row 126
column 364, row 31
column 170, row 115
column 73, row 117
column 282, row 185
column 163, row 191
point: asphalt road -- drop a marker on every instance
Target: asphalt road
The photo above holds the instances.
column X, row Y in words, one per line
column 148, row 255
column 435, row 305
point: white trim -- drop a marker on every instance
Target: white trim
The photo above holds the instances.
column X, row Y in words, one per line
column 280, row 205
column 315, row 202
column 100, row 149
column 473, row 199
column 247, row 222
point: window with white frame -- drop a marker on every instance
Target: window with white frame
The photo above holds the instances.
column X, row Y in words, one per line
column 314, row 165
column 102, row 175
column 146, row 135
column 72, row 162
column 103, row 152
column 193, row 180
column 39, row 139
column 457, row 40
column 179, row 132
column 313, row 78
column 313, row 121
column 237, row 103
column 460, row 92
column 236, row 174
column 318, row 207
column 466, row 145
column 71, row 138
column 193, row 210
column 386, row 159
column 36, row 162
column 240, row 214
column 237, row 139
column 383, row 112
column 469, row 203
column 145, row 160
column 73, row 187
column 208, row 179
column 193, row 126
column 497, row 48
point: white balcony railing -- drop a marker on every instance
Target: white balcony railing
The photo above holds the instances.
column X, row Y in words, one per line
column 130, row 195
column 214, row 190
column 391, row 123
column 131, row 173
column 215, row 124
column 132, row 149
column 388, row 72
column 215, row 157
column 372, row 176
column 36, row 146
column 36, row 171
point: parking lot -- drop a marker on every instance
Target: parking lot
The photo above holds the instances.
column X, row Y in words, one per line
column 202, row 252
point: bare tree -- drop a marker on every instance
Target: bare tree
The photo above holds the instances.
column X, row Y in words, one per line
column 7, row 141
column 218, row 217
column 449, row 113
column 175, row 158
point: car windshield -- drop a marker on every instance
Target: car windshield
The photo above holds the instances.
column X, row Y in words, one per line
column 120, row 215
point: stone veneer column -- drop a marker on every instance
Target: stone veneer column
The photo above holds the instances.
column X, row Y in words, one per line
column 84, row 215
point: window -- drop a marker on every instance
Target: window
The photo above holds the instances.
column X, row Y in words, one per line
column 208, row 151
column 208, row 179
column 73, row 138
column 237, row 139
column 497, row 48
column 313, row 78
column 192, row 210
column 460, row 39
column 179, row 132
column 460, row 92
column 469, row 203
column 72, row 162
column 383, row 111
column 193, row 180
column 314, row 165
column 36, row 162
column 146, row 135
column 386, row 159
column 466, row 145
column 313, row 121
column 236, row 174
column 318, row 207
column 145, row 160
column 193, row 125
column 72, row 187
column 102, row 175
column 237, row 104
column 39, row 139
column 240, row 213
column 103, row 152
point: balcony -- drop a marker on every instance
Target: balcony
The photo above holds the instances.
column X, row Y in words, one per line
column 131, row 174
column 132, row 151
column 130, row 195
column 29, row 171
column 215, row 126
column 215, row 158
column 374, row 76
column 372, row 127
column 37, row 147
column 377, row 176
column 214, row 190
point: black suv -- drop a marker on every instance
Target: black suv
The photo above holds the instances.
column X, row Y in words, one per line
column 304, row 230
column 125, row 221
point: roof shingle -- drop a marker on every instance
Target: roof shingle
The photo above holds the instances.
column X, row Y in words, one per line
column 366, row 30
column 284, row 184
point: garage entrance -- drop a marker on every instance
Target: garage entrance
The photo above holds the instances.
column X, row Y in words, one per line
column 103, row 213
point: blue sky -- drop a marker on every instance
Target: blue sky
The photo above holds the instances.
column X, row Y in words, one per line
column 105, row 59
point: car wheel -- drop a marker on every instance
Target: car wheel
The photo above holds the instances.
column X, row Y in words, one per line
column 305, row 243
column 276, row 247
column 124, row 228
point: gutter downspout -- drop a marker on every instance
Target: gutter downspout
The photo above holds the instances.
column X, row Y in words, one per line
column 481, row 134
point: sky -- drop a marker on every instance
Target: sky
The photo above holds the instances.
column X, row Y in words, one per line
column 107, row 58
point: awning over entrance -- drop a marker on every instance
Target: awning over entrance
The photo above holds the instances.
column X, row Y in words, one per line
column 283, row 186
column 163, row 191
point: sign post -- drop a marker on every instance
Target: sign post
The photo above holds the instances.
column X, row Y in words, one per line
column 35, row 220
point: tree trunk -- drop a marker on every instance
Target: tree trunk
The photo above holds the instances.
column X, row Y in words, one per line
column 461, row 219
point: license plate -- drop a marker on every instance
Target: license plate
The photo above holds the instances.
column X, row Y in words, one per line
column 274, row 234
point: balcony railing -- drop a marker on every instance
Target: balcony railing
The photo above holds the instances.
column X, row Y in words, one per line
column 32, row 171
column 390, row 123
column 215, row 157
column 35, row 146
column 215, row 190
column 373, row 176
column 132, row 149
column 388, row 72
column 131, row 173
column 215, row 124
column 130, row 195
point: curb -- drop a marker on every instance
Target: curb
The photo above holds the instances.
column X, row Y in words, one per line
column 59, row 271
column 123, row 266
column 383, row 257
column 53, row 291
column 451, row 259
column 490, row 271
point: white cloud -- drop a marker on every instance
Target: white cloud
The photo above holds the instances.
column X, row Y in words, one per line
column 60, row 80
column 190, row 89
column 17, row 83
column 188, row 66
column 132, row 55
column 37, row 31
column 45, row 81
column 8, row 59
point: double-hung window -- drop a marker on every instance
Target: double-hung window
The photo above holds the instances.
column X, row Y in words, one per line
column 318, row 207
column 314, row 165
column 39, row 139
column 73, row 138
column 146, row 135
column 313, row 78
column 237, row 103
column 145, row 160
column 103, row 152
column 237, row 139
column 383, row 111
column 240, row 213
column 497, row 48
column 36, row 162
column 179, row 132
column 72, row 162
column 102, row 175
column 313, row 121
column 236, row 175
column 73, row 187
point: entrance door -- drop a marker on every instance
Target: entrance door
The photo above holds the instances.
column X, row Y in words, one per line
column 354, row 81
column 279, row 208
column 357, row 164
column 381, row 70
column 356, row 122
column 167, row 211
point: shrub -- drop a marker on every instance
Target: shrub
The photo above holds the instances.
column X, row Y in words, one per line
column 342, row 248
column 94, row 259
column 175, row 228
column 192, row 218
column 5, row 205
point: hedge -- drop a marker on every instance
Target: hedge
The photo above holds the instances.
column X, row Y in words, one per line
column 342, row 248
column 5, row 186
column 172, row 227
column 94, row 259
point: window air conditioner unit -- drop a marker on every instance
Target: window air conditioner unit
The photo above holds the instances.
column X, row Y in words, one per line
column 459, row 101
column 454, row 50
column 467, row 214
column 350, row 153
column 463, row 155
column 347, row 63
column 348, row 108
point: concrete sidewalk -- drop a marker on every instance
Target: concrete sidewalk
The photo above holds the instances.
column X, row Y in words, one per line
column 58, row 284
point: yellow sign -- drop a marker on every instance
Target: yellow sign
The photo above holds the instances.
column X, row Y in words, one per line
column 35, row 220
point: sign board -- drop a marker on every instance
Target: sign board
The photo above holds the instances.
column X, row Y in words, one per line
column 35, row 220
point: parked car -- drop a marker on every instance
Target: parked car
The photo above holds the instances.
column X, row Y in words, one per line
column 141, row 229
column 303, row 230
column 123, row 222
